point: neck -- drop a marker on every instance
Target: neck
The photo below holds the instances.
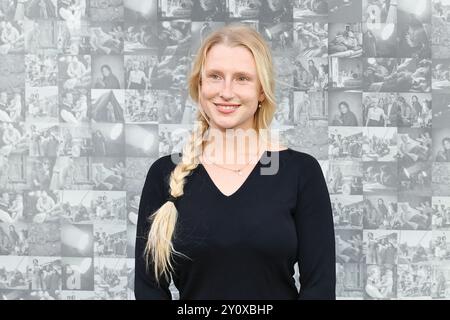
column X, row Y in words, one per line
column 232, row 146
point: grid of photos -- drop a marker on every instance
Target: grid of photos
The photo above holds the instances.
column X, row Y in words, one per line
column 92, row 92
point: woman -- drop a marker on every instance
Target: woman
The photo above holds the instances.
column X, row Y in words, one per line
column 136, row 78
column 376, row 116
column 108, row 80
column 346, row 117
column 199, row 219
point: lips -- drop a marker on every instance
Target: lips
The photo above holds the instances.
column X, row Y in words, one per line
column 227, row 107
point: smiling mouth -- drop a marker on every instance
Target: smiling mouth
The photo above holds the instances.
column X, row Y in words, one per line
column 227, row 107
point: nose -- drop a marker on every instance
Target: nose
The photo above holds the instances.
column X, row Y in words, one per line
column 226, row 91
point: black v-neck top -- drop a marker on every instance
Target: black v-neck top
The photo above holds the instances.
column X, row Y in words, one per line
column 245, row 245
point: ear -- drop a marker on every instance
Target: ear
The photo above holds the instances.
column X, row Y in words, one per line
column 262, row 96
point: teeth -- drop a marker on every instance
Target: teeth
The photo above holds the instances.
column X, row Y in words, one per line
column 227, row 107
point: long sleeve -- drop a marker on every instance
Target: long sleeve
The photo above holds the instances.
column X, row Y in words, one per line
column 145, row 286
column 315, row 231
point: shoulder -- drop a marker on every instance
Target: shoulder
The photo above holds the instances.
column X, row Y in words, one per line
column 304, row 164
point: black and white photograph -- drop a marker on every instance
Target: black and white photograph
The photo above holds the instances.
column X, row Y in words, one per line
column 142, row 106
column 14, row 239
column 14, row 138
column 349, row 246
column 41, row 104
column 350, row 280
column 381, row 246
column 136, row 170
column 440, row 37
column 106, row 10
column 40, row 9
column 11, row 207
column 414, row 213
column 346, row 73
column 74, row 72
column 380, row 144
column 440, row 219
column 414, row 145
column 312, row 140
column 44, row 277
column 171, row 138
column 310, row 109
column 75, row 107
column 71, row 173
column 174, row 38
column 169, row 10
column 107, row 72
column 76, row 207
column 440, row 175
column 45, row 139
column 11, row 36
column 13, row 73
column 278, row 36
column 111, row 278
column 209, row 10
column 77, row 240
column 441, row 76
column 108, row 174
column 378, row 11
column 345, row 177
column 147, row 145
column 345, row 108
column 414, row 29
column 244, row 9
column 344, row 10
column 141, row 38
column 402, row 75
column 77, row 273
column 75, row 140
column 14, row 273
column 110, row 240
column 379, row 39
column 440, row 246
column 441, row 145
column 43, row 206
column 107, row 105
column 345, row 40
column 380, row 212
column 106, row 38
column 108, row 139
column 348, row 211
column 345, row 143
column 274, row 11
column 108, row 206
column 310, row 74
column 379, row 177
column 41, row 70
column 415, row 247
column 136, row 10
column 12, row 105
column 414, row 281
column 415, row 179
column 39, row 171
column 440, row 110
column 310, row 39
column 381, row 282
column 73, row 42
column 44, row 239
column 310, row 10
column 41, row 36
column 440, row 281
column 138, row 71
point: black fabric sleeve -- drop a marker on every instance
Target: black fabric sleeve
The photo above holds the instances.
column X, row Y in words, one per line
column 152, row 198
column 315, row 231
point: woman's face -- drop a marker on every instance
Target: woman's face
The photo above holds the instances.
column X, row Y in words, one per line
column 105, row 72
column 230, row 77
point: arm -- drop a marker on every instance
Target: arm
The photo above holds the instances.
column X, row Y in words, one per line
column 152, row 198
column 315, row 231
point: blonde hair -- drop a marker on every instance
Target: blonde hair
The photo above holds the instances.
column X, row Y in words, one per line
column 159, row 247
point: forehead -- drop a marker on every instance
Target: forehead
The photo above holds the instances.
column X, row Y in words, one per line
column 234, row 59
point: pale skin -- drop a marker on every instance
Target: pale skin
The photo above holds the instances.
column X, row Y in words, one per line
column 230, row 77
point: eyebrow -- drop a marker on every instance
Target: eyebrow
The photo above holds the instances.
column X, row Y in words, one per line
column 238, row 72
